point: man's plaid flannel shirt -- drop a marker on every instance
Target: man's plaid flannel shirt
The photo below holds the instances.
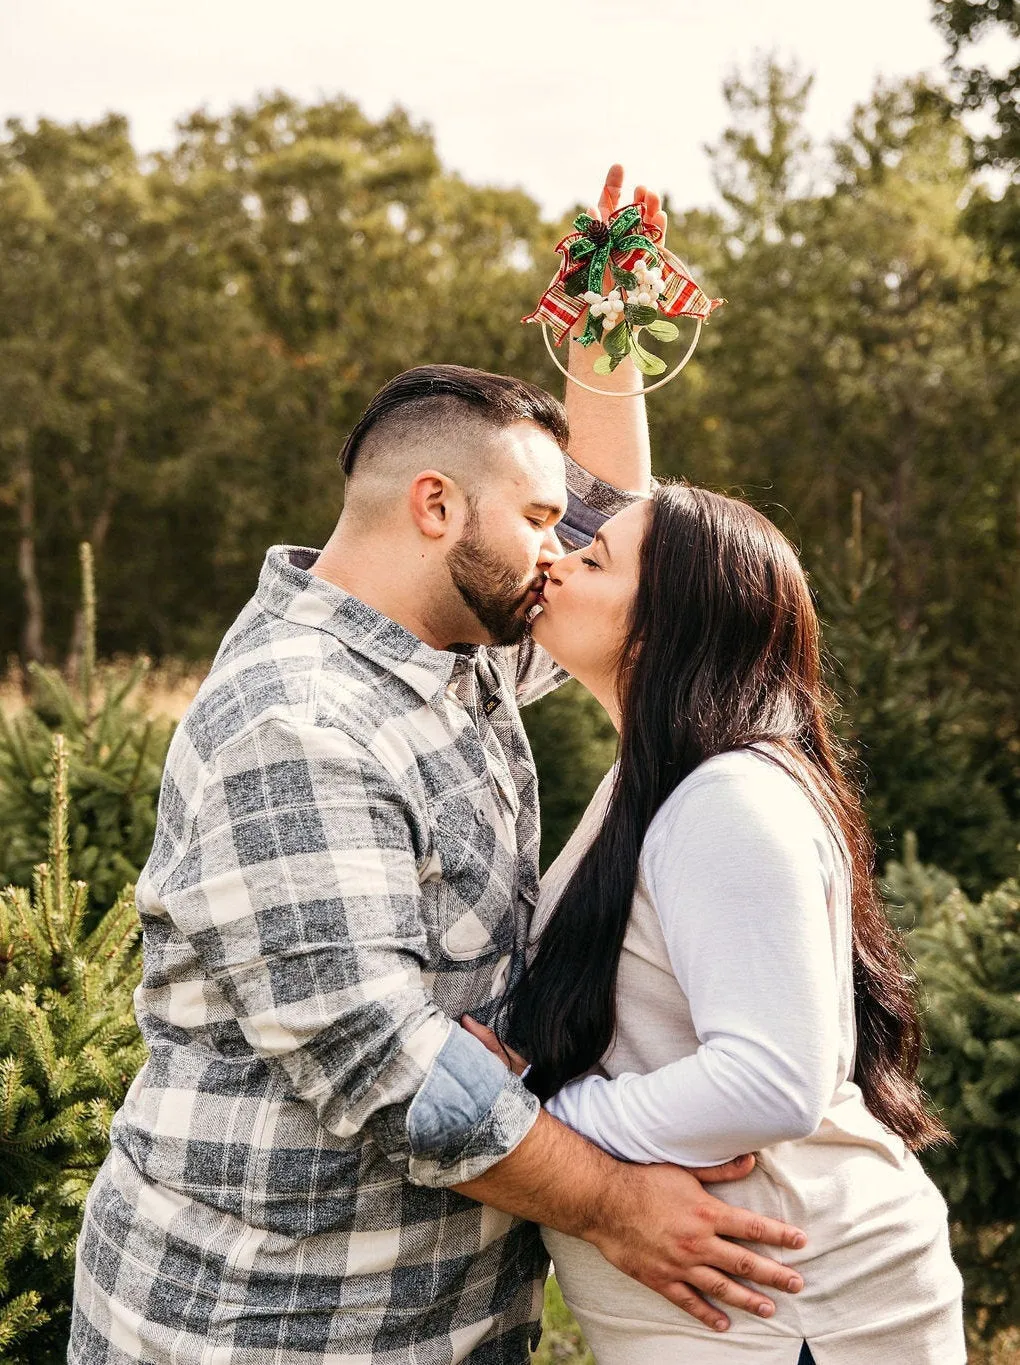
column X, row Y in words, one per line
column 345, row 861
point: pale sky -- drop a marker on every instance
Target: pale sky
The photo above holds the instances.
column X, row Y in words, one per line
column 532, row 93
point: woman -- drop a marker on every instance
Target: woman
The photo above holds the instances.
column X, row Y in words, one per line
column 714, row 973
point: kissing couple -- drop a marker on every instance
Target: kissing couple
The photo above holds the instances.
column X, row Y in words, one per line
column 390, row 1070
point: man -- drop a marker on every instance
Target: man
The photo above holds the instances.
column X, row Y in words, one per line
column 344, row 864
column 317, row 1163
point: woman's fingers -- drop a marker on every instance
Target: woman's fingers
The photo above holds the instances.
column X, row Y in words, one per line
column 651, row 208
column 649, row 202
column 609, row 199
column 510, row 1059
column 483, row 1034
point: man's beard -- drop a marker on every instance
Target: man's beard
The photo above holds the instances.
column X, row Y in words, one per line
column 489, row 586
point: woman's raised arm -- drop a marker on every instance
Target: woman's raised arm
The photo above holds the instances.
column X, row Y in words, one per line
column 609, row 436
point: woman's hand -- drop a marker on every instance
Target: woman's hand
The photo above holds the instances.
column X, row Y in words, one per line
column 650, row 205
column 512, row 1060
column 647, row 201
column 610, row 439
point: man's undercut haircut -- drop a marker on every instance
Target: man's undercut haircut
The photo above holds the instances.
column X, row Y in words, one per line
column 433, row 401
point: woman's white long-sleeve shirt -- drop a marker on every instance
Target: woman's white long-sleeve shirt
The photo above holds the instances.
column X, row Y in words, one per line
column 735, row 1033
column 738, row 864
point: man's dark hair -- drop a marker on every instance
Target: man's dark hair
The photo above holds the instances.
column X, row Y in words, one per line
column 438, row 395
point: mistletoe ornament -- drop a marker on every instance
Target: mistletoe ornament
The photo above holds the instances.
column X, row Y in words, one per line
column 650, row 286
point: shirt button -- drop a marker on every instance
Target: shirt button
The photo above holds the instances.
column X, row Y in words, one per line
column 479, row 817
column 451, row 691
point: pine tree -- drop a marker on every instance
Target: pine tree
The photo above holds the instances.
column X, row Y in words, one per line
column 69, row 1047
column 21, row 1313
column 967, row 957
column 923, row 740
column 115, row 764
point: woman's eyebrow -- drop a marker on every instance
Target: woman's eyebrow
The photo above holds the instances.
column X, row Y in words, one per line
column 601, row 540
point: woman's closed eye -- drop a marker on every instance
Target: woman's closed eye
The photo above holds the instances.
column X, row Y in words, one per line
column 591, row 563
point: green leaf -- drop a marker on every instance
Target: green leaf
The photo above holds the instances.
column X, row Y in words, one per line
column 592, row 333
column 641, row 314
column 626, row 279
column 605, row 364
column 616, row 340
column 662, row 330
column 645, row 361
column 576, row 284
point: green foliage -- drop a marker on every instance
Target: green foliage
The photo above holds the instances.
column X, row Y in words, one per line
column 574, row 744
column 662, row 329
column 644, row 360
column 69, row 1048
column 115, row 757
column 968, row 21
column 561, row 1337
column 968, row 961
column 20, row 1312
column 927, row 744
column 184, row 342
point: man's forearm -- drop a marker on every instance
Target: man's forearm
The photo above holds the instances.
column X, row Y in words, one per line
column 554, row 1176
column 608, row 436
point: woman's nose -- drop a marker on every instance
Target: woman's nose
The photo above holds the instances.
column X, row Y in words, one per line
column 563, row 566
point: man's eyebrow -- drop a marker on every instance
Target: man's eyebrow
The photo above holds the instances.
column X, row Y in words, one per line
column 553, row 509
column 601, row 540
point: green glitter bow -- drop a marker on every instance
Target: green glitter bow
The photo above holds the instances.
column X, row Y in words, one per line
column 597, row 244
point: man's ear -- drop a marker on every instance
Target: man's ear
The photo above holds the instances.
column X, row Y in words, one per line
column 436, row 504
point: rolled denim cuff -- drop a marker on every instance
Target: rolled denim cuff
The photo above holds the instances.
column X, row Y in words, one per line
column 470, row 1113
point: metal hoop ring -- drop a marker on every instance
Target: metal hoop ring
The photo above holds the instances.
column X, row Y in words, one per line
column 613, row 393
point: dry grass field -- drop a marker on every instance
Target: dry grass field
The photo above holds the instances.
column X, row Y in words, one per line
column 165, row 690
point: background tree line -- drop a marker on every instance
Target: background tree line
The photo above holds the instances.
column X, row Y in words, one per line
column 184, row 341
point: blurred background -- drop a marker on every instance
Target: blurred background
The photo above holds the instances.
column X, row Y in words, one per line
column 223, row 227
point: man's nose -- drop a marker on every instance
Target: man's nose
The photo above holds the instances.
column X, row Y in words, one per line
column 551, row 549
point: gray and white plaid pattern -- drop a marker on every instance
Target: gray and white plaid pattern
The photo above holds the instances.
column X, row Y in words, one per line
column 345, row 861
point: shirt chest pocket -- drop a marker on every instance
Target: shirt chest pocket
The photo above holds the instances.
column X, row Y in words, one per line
column 472, row 910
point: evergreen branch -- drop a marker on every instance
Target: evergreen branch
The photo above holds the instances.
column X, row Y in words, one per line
column 14, row 1094
column 119, row 695
column 58, row 831
column 88, row 648
column 142, row 750
column 54, row 690
column 21, row 1315
column 114, row 939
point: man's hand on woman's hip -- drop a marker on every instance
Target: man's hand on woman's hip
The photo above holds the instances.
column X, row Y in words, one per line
column 661, row 1227
column 657, row 1224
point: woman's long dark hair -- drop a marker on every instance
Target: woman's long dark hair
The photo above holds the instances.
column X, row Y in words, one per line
column 721, row 653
